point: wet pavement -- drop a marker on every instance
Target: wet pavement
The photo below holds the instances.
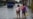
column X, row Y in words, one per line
column 6, row 13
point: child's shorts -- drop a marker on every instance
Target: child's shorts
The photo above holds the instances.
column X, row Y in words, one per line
column 18, row 12
column 23, row 12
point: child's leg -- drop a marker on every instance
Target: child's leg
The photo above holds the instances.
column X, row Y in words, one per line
column 22, row 15
column 19, row 15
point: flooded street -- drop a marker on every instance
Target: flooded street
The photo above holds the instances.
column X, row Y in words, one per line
column 6, row 13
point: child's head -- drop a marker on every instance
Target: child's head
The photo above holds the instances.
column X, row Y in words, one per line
column 18, row 6
column 23, row 4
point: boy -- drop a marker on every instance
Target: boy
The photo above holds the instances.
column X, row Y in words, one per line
column 18, row 11
column 23, row 10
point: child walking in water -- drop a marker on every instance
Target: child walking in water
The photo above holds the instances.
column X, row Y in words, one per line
column 18, row 11
column 23, row 10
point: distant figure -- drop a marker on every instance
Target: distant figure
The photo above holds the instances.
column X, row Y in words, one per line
column 18, row 11
column 23, row 8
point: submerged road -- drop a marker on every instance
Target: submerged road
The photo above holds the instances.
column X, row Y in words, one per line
column 10, row 13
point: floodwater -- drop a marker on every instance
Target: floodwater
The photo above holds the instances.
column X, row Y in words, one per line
column 10, row 13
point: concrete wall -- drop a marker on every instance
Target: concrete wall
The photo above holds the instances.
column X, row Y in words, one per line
column 17, row 0
column 29, row 2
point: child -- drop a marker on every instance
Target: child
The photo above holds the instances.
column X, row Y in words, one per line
column 18, row 11
column 23, row 10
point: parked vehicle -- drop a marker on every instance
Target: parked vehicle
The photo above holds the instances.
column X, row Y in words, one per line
column 10, row 4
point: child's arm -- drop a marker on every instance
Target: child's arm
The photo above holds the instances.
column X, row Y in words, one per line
column 26, row 9
column 20, row 7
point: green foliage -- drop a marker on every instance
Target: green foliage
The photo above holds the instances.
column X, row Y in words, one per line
column 29, row 6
